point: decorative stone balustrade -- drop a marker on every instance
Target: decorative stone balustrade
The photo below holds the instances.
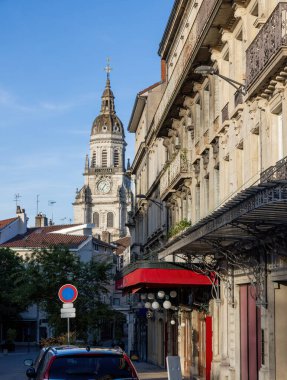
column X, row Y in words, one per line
column 102, row 170
column 271, row 38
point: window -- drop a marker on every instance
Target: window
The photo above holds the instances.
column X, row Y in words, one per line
column 197, row 202
column 110, row 219
column 206, row 195
column 96, row 219
column 94, row 159
column 277, row 133
column 116, row 158
column 104, row 159
column 206, row 107
column 216, row 186
column 116, row 302
column 197, row 119
column 280, row 134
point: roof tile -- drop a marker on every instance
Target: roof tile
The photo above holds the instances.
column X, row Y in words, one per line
column 5, row 222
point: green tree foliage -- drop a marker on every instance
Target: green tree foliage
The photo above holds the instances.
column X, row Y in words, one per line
column 49, row 269
column 12, row 279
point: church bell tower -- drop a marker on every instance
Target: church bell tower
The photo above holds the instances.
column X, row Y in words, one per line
column 105, row 198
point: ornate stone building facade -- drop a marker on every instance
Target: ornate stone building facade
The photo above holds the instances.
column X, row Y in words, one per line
column 105, row 198
column 216, row 204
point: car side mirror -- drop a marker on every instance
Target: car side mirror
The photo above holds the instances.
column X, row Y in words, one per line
column 31, row 373
column 28, row 362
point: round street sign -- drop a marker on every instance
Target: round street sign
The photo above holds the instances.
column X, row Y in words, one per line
column 68, row 293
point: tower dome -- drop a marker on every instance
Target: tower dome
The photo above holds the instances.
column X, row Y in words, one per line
column 107, row 121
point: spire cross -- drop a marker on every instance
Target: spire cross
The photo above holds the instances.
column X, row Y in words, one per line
column 108, row 68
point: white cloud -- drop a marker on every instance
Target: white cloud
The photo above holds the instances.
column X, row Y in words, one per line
column 9, row 100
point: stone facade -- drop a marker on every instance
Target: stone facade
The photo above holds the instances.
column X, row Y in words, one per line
column 211, row 174
column 105, row 198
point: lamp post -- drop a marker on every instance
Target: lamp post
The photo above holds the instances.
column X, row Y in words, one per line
column 159, row 205
column 143, row 196
column 209, row 70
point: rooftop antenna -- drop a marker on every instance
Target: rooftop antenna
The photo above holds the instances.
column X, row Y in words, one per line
column 51, row 203
column 16, row 199
column 37, row 201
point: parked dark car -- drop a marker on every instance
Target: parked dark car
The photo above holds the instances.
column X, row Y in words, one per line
column 75, row 363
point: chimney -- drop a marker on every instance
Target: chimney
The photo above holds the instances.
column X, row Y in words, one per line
column 106, row 237
column 163, row 70
column 41, row 220
column 22, row 220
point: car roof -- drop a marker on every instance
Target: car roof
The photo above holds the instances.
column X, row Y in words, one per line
column 72, row 350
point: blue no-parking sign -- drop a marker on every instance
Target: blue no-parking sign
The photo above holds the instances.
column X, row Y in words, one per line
column 68, row 293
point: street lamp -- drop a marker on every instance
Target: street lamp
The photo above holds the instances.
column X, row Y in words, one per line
column 209, row 70
column 142, row 196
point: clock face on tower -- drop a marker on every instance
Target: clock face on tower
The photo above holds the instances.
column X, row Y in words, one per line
column 104, row 186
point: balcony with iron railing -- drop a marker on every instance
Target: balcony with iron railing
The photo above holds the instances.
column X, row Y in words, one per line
column 268, row 51
column 275, row 173
column 175, row 171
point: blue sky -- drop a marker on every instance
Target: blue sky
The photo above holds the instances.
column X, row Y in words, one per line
column 53, row 55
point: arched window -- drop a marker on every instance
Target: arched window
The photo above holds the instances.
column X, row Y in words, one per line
column 116, row 158
column 110, row 219
column 94, row 160
column 96, row 219
column 104, row 158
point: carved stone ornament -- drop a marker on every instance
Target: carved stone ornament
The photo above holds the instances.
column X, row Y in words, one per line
column 215, row 147
column 176, row 124
column 239, row 145
column 255, row 130
column 188, row 102
column 205, row 158
column 196, row 167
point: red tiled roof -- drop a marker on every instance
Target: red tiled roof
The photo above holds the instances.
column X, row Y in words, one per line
column 37, row 238
column 5, row 222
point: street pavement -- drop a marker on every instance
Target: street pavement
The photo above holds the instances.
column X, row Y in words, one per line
column 148, row 371
column 12, row 366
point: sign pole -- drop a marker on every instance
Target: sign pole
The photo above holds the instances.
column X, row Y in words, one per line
column 68, row 323
column 68, row 294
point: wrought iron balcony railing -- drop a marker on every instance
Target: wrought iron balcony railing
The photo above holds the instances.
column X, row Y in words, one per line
column 269, row 41
column 179, row 168
column 278, row 172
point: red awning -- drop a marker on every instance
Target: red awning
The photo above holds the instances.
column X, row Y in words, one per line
column 155, row 277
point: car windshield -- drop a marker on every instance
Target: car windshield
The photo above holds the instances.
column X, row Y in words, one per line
column 90, row 367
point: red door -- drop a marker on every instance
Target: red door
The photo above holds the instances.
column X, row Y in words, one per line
column 208, row 335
